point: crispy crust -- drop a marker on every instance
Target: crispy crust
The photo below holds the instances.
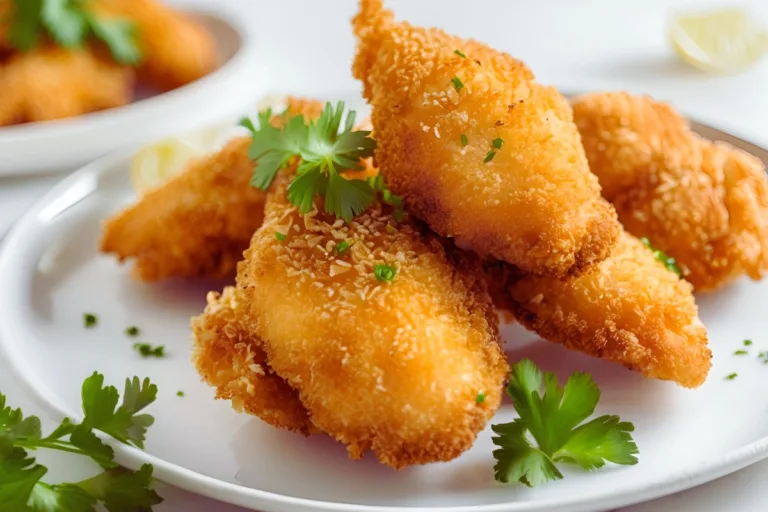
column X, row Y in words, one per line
column 199, row 222
column 704, row 203
column 629, row 309
column 392, row 368
column 230, row 358
column 54, row 83
column 513, row 207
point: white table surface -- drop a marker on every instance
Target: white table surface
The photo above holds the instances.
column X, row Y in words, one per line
column 589, row 44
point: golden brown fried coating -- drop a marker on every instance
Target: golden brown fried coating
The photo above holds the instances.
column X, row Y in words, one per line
column 535, row 204
column 198, row 223
column 394, row 368
column 704, row 203
column 53, row 83
column 176, row 48
column 230, row 358
column 629, row 309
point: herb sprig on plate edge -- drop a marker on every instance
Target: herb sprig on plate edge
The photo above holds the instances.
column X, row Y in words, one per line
column 117, row 489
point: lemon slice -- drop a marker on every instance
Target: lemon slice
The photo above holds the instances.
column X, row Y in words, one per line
column 157, row 162
column 724, row 40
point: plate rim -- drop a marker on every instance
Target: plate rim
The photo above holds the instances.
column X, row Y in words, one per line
column 245, row 67
column 241, row 495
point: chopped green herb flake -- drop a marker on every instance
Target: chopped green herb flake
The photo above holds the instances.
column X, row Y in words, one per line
column 90, row 320
column 489, row 156
column 460, row 54
column 342, row 247
column 280, row 236
column 731, row 376
column 659, row 255
column 384, row 273
column 180, row 393
column 480, row 398
column 747, row 343
column 740, row 353
column 464, row 140
column 132, row 331
column 498, row 142
column 457, row 83
column 147, row 350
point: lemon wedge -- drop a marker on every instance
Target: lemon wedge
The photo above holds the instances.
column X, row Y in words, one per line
column 157, row 162
column 724, row 41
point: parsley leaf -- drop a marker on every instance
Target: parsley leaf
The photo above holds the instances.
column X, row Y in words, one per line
column 554, row 420
column 325, row 153
column 122, row 423
column 122, row 490
column 60, row 498
column 120, row 37
column 25, row 28
column 65, row 22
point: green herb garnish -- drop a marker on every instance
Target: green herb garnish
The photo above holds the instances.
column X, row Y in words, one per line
column 384, row 273
column 90, row 320
column 324, row 152
column 731, row 376
column 70, row 24
column 457, row 83
column 464, row 140
column 489, row 156
column 341, row 247
column 180, row 394
column 668, row 261
column 497, row 142
column 554, row 421
column 116, row 488
column 377, row 184
column 747, row 343
column 740, row 353
column 280, row 236
column 132, row 331
column 480, row 398
column 460, row 54
column 147, row 350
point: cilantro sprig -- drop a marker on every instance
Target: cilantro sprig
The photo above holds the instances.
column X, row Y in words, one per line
column 69, row 23
column 118, row 489
column 554, row 421
column 324, row 151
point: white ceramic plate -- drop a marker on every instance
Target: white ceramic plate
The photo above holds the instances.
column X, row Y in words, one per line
column 66, row 144
column 51, row 274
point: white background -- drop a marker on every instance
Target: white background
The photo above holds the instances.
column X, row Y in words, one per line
column 574, row 44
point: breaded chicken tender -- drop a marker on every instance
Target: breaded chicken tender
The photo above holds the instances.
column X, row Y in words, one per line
column 394, row 367
column 52, row 83
column 704, row 203
column 176, row 48
column 198, row 223
column 478, row 149
column 630, row 309
column 230, row 358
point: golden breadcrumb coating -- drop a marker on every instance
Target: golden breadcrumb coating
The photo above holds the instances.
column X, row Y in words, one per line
column 394, row 368
column 535, row 204
column 176, row 48
column 629, row 309
column 52, row 83
column 230, row 358
column 198, row 223
column 703, row 203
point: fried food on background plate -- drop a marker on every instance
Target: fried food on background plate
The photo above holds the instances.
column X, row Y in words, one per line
column 52, row 83
column 198, row 223
column 704, row 203
column 393, row 364
column 478, row 149
column 176, row 48
column 630, row 309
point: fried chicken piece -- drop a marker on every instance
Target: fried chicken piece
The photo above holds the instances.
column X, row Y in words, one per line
column 391, row 367
column 52, row 83
column 176, row 48
column 629, row 309
column 198, row 223
column 230, row 358
column 704, row 203
column 532, row 201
